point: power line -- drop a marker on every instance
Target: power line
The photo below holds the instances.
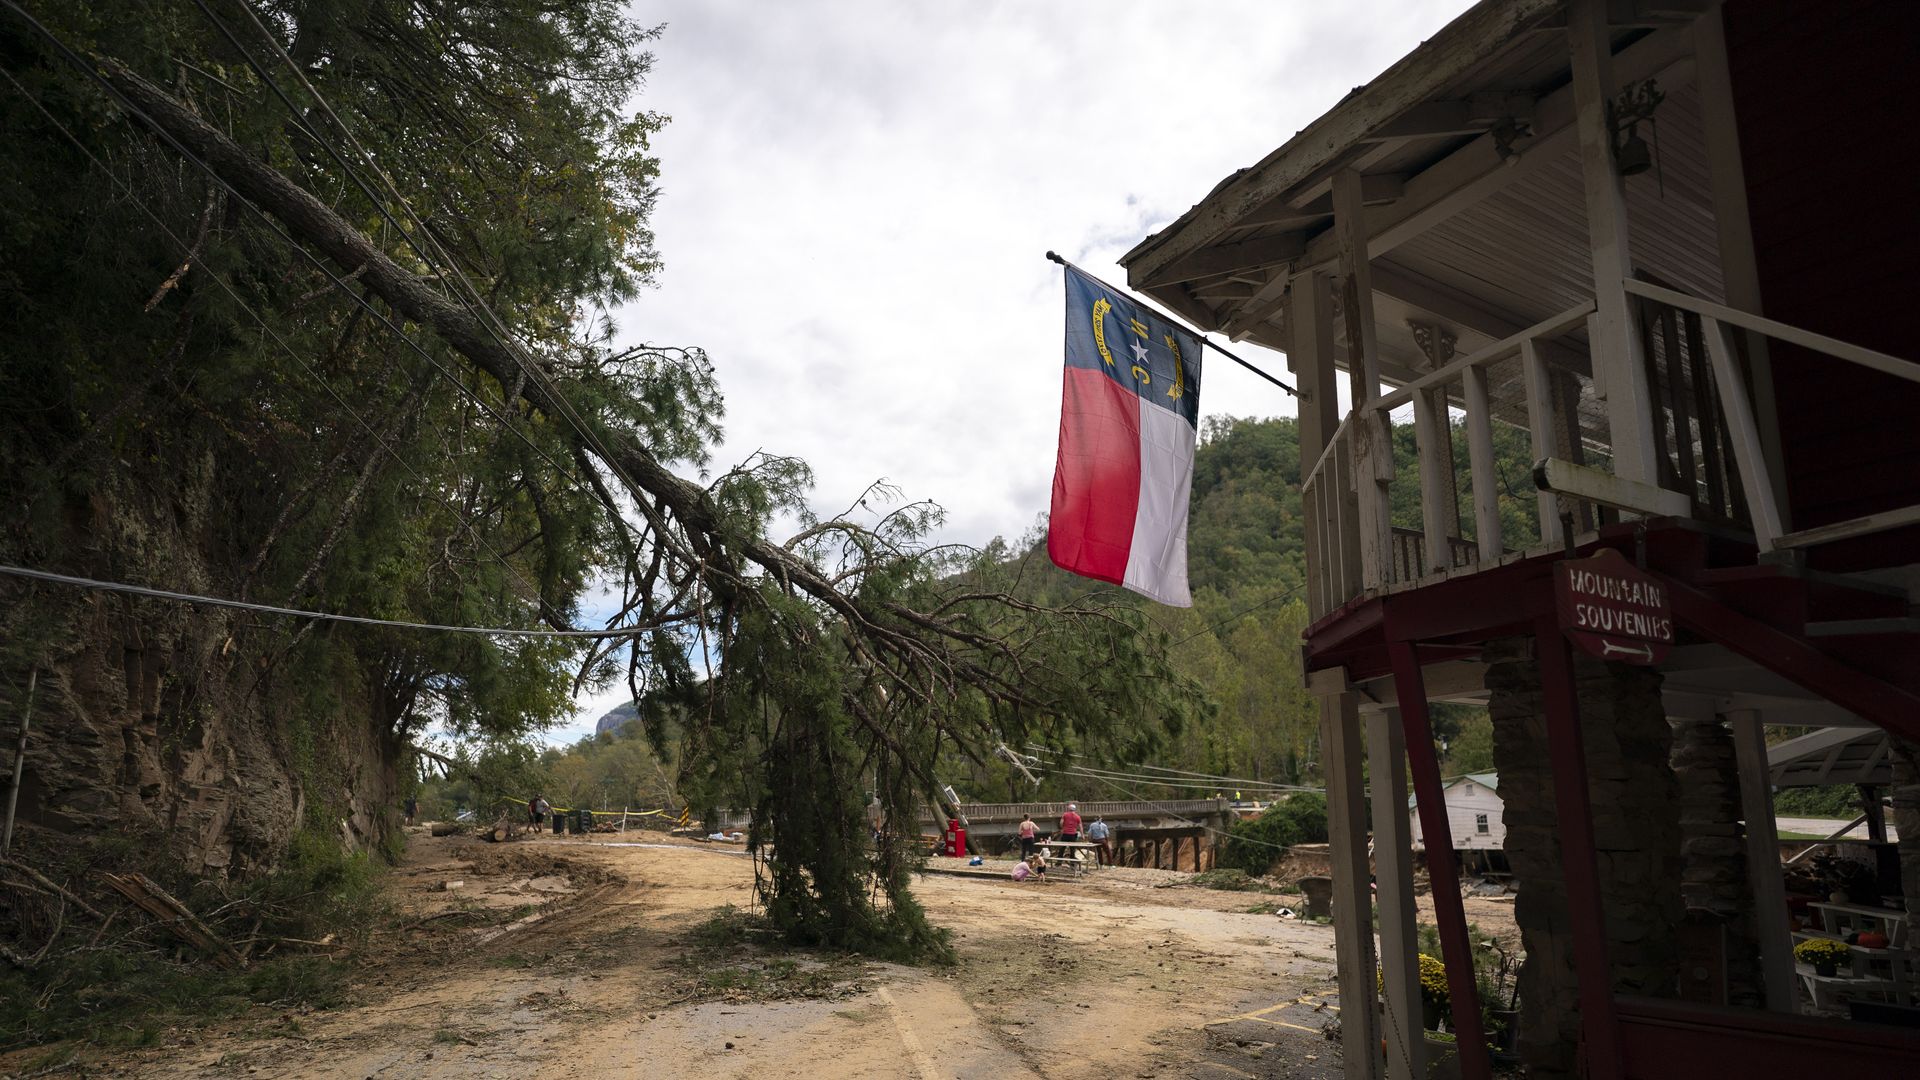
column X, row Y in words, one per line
column 324, row 616
column 1180, row 785
column 1137, row 797
column 1277, row 597
column 268, row 329
column 465, row 293
column 1216, row 778
column 338, row 282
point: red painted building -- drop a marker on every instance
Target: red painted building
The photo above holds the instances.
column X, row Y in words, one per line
column 1665, row 248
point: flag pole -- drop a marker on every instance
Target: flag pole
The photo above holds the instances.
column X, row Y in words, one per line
column 1201, row 334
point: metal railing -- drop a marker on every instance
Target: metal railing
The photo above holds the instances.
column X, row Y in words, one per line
column 1708, row 459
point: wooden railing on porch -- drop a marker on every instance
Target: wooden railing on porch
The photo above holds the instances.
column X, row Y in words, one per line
column 1346, row 492
column 1709, row 458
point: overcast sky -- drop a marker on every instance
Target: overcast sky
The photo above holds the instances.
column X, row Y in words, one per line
column 857, row 197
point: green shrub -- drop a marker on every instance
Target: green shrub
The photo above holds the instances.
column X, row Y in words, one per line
column 1255, row 844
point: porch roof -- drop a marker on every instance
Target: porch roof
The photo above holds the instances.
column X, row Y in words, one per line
column 1833, row 755
column 1470, row 169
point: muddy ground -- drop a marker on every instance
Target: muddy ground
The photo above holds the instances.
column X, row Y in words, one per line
column 590, row 957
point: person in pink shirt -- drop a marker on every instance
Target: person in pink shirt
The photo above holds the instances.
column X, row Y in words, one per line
column 1027, row 832
column 1070, row 824
column 1032, row 868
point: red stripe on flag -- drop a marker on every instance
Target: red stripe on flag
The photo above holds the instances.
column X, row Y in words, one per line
column 1096, row 479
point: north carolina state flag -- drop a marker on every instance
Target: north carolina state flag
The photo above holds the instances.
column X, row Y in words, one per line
column 1127, row 419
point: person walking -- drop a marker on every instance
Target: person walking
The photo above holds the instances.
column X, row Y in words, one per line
column 412, row 807
column 1028, row 830
column 1070, row 824
column 537, row 809
column 1098, row 833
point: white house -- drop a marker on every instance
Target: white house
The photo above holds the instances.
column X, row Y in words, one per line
column 1473, row 811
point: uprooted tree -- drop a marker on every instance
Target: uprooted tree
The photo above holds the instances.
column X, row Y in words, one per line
column 415, row 214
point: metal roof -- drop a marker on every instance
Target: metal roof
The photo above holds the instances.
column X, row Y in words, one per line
column 1490, row 781
column 1834, row 755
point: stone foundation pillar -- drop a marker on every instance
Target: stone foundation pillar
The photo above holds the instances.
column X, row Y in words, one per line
column 1636, row 835
column 1713, row 880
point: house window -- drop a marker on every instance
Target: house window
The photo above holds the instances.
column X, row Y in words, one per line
column 1480, row 824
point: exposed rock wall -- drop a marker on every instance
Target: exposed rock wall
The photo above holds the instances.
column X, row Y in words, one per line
column 173, row 723
column 1636, row 833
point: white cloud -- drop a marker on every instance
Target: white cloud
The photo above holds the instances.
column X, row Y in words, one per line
column 857, row 197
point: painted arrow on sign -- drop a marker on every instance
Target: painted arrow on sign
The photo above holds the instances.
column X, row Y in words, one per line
column 1612, row 609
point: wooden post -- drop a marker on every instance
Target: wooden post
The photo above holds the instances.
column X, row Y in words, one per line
column 1578, row 860
column 1435, row 465
column 1311, row 318
column 1765, row 878
column 1347, row 490
column 1619, row 370
column 1540, row 432
column 1875, row 813
column 1748, row 453
column 1443, row 871
column 1340, row 756
column 19, row 759
column 1739, row 269
column 1372, row 445
column 1393, row 867
column 1486, row 484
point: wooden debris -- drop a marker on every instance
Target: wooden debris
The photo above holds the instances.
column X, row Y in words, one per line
column 443, row 828
column 23, row 868
column 173, row 915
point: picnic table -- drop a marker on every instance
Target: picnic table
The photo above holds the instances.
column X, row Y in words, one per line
column 1060, row 854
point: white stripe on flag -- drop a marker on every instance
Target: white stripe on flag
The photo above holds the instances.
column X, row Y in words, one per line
column 1157, row 560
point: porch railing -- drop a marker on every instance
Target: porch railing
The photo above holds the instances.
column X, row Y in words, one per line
column 1708, row 457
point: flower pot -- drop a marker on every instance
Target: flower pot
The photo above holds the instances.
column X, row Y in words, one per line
column 1824, row 969
column 1502, row 1023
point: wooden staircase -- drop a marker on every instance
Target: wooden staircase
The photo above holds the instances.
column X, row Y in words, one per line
column 1855, row 642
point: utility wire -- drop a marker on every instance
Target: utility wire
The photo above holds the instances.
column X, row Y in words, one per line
column 465, row 293
column 1181, row 785
column 1137, row 797
column 1276, row 598
column 133, row 197
column 1141, row 770
column 270, row 609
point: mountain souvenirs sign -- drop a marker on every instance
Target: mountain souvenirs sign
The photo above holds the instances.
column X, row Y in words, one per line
column 1612, row 609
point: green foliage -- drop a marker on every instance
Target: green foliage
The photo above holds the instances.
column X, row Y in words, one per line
column 1253, row 845
column 1831, row 801
column 165, row 435
column 130, row 996
column 1227, row 879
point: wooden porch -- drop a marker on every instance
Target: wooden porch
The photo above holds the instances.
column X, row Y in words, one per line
column 1471, row 239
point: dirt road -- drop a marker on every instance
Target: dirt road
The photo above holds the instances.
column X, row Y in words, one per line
column 563, row 957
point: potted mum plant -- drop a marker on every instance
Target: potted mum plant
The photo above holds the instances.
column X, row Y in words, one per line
column 1434, row 997
column 1824, row 954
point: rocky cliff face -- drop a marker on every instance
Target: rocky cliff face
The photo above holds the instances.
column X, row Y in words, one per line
column 615, row 719
column 157, row 719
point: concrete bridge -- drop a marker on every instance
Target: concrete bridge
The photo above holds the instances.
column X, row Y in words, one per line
column 1174, row 834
